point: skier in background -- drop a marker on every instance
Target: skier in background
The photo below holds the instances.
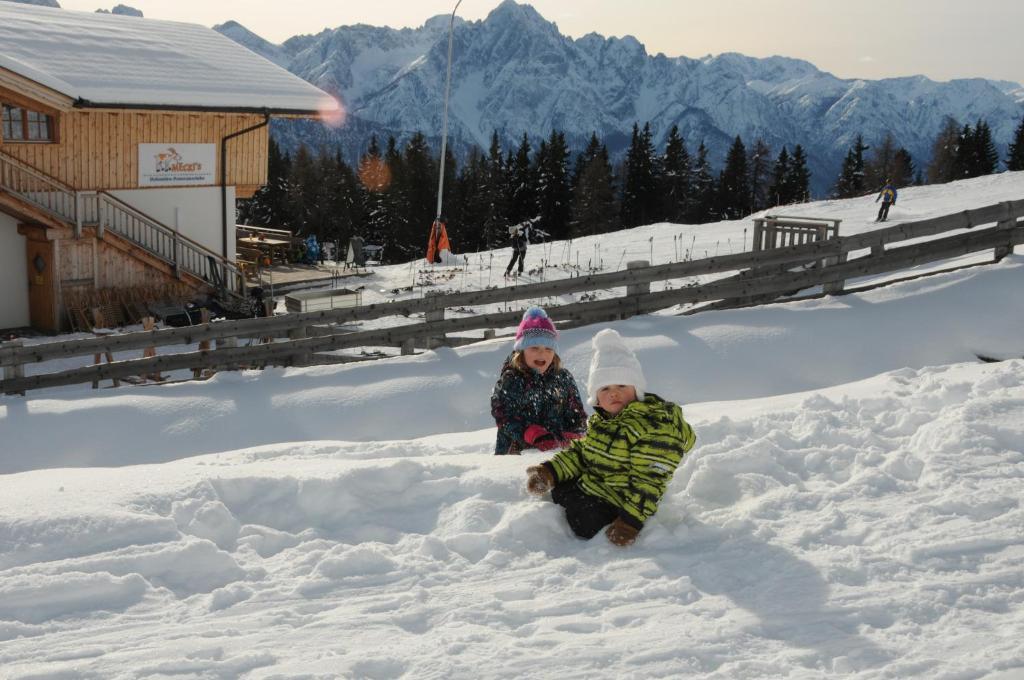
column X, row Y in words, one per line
column 888, row 196
column 520, row 234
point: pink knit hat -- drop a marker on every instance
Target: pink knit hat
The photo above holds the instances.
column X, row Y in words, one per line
column 536, row 329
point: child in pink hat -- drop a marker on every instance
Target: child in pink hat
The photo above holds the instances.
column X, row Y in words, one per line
column 535, row 401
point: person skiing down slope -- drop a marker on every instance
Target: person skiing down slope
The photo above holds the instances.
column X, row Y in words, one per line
column 520, row 234
column 888, row 196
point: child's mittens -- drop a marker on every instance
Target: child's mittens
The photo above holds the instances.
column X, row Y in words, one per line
column 537, row 437
column 539, row 480
column 621, row 534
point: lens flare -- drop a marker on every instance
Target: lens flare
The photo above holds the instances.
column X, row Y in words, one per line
column 332, row 113
column 374, row 174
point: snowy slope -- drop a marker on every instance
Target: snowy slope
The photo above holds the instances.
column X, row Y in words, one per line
column 852, row 508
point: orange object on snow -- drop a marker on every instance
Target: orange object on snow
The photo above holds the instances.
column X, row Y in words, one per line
column 438, row 241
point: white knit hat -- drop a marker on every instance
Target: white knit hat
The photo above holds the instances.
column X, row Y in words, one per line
column 613, row 364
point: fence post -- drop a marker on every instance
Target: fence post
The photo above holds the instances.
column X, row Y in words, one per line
column 635, row 289
column 299, row 333
column 755, row 245
column 14, row 371
column 408, row 347
column 1003, row 251
column 227, row 343
column 149, row 324
column 431, row 315
column 834, row 287
column 204, row 345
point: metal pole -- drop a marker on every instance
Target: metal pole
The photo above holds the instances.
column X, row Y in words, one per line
column 444, row 128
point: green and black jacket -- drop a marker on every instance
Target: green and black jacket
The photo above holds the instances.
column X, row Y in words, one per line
column 628, row 459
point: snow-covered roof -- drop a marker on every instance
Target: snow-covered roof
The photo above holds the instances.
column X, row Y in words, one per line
column 111, row 60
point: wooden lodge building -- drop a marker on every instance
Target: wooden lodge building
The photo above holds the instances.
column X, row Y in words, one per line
column 124, row 144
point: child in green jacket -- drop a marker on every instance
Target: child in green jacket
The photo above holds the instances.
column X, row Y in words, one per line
column 617, row 473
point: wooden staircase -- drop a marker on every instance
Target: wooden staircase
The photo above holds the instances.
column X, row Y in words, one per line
column 37, row 197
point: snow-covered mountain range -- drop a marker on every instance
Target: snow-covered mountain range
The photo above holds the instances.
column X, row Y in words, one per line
column 515, row 72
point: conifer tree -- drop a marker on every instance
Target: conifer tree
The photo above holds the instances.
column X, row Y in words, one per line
column 799, row 180
column 554, row 191
column 419, row 178
column 779, row 192
column 966, row 154
column 467, row 202
column 333, row 201
column 675, row 179
column 303, row 188
column 882, row 164
column 1015, row 154
column 396, row 205
column 851, row 177
column 734, row 183
column 270, row 205
column 593, row 192
column 942, row 167
column 521, row 189
column 985, row 154
column 640, row 188
column 903, row 170
column 704, row 197
column 375, row 181
column 759, row 165
column 492, row 191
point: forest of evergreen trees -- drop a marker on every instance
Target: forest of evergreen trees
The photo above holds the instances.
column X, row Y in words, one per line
column 390, row 197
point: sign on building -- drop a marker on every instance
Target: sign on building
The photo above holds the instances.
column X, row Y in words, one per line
column 176, row 164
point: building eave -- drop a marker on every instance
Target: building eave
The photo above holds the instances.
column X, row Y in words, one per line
column 262, row 110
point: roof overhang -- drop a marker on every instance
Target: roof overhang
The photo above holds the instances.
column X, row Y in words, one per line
column 274, row 113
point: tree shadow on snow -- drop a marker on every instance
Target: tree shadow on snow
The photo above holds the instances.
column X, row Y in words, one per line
column 788, row 595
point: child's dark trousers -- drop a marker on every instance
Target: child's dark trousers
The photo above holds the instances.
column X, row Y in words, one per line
column 586, row 514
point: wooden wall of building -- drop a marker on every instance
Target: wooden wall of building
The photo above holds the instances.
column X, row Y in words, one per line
column 92, row 263
column 98, row 149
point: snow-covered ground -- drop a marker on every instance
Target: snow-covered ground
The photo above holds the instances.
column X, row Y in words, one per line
column 852, row 508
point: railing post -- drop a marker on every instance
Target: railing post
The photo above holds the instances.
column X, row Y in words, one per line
column 14, row 371
column 78, row 215
column 177, row 245
column 100, row 226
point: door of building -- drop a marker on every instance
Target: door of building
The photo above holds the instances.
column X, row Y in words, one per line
column 42, row 282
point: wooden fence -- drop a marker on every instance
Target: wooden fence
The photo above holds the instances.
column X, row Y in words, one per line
column 775, row 231
column 761, row 275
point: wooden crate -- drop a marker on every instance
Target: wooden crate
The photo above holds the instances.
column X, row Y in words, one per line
column 316, row 300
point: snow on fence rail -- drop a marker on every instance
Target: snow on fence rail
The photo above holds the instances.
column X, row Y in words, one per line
column 762, row 275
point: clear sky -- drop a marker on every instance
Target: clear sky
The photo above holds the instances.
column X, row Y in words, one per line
column 941, row 39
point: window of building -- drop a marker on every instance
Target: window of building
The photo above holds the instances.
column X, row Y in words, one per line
column 25, row 125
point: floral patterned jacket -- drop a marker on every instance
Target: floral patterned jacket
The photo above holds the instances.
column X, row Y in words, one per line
column 550, row 400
